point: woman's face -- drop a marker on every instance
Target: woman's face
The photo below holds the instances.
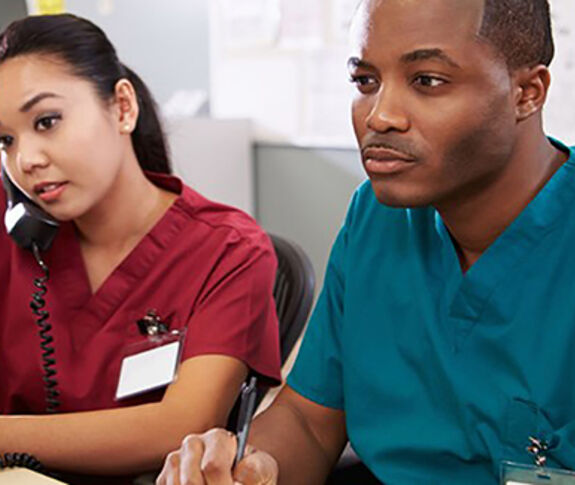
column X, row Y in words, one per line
column 64, row 146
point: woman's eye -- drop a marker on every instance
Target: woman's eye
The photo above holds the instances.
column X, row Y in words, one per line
column 47, row 122
column 6, row 141
column 429, row 81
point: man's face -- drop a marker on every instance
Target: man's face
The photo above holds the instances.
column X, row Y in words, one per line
column 434, row 111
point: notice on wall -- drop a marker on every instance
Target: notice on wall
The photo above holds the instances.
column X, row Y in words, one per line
column 248, row 23
column 46, row 7
column 301, row 24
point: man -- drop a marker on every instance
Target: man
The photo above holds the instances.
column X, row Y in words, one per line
column 442, row 340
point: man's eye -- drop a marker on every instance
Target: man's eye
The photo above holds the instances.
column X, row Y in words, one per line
column 363, row 82
column 47, row 122
column 360, row 80
column 429, row 81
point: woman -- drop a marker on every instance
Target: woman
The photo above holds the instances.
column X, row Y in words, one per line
column 136, row 251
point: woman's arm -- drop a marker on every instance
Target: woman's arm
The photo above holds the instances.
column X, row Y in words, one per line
column 133, row 439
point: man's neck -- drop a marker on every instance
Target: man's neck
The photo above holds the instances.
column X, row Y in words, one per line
column 476, row 222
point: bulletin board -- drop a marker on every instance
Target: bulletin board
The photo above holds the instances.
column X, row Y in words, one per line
column 282, row 63
column 560, row 110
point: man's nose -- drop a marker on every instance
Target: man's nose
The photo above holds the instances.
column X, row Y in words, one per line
column 388, row 112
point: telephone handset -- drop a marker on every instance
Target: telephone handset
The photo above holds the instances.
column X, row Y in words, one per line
column 25, row 222
column 32, row 229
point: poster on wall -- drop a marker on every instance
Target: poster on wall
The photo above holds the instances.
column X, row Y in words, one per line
column 248, row 23
column 301, row 24
column 46, row 7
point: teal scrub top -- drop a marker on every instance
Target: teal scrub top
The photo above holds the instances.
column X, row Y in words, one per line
column 442, row 375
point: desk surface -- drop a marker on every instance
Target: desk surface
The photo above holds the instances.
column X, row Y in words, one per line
column 22, row 476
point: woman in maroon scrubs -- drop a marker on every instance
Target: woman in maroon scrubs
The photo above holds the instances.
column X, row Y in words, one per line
column 80, row 136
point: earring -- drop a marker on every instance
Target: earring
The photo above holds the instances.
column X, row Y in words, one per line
column 126, row 127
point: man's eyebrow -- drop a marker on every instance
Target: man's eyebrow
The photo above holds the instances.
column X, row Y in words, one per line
column 27, row 106
column 355, row 62
column 426, row 54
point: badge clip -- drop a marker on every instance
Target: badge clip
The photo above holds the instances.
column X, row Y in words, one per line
column 152, row 325
column 538, row 448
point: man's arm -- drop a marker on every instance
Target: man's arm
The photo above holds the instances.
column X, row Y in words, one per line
column 305, row 438
column 295, row 436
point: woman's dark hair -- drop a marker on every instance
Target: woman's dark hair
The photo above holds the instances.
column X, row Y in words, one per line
column 91, row 56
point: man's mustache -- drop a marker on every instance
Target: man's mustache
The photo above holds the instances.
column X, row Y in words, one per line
column 390, row 142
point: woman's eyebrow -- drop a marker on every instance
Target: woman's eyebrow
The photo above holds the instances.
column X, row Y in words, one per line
column 28, row 105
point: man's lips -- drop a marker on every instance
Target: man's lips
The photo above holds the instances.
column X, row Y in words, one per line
column 382, row 154
column 379, row 160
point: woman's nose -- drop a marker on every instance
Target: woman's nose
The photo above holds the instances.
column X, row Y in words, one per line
column 29, row 158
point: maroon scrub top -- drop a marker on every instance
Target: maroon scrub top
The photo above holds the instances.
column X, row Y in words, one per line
column 204, row 266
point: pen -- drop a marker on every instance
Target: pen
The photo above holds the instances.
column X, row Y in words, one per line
column 247, row 408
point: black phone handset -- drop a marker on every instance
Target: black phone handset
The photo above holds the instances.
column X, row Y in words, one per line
column 32, row 229
column 29, row 226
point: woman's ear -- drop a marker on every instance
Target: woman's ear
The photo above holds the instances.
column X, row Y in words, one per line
column 532, row 86
column 127, row 108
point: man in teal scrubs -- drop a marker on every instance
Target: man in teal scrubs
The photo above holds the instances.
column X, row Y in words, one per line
column 444, row 336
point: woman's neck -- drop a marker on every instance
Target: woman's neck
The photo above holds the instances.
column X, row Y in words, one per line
column 128, row 212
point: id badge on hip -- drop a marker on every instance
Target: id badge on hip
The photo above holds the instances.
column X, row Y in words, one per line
column 520, row 474
column 538, row 474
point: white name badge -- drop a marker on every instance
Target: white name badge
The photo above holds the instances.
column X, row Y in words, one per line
column 149, row 369
column 519, row 474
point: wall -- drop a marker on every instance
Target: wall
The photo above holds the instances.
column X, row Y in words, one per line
column 165, row 42
column 303, row 193
column 215, row 158
column 11, row 10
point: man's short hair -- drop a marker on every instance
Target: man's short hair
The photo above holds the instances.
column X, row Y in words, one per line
column 520, row 30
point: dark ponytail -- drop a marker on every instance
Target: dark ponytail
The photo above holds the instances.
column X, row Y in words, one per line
column 148, row 137
column 91, row 56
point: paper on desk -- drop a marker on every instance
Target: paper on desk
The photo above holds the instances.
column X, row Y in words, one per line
column 23, row 476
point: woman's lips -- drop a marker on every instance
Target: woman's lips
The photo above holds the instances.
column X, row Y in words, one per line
column 50, row 191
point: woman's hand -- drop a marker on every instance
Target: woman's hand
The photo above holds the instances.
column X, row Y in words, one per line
column 208, row 459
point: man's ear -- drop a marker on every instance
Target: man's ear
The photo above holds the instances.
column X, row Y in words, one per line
column 532, row 86
column 126, row 103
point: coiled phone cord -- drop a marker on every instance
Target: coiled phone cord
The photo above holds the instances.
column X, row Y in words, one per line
column 9, row 460
column 37, row 304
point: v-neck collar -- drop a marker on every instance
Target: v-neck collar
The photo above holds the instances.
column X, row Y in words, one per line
column 470, row 292
column 73, row 282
